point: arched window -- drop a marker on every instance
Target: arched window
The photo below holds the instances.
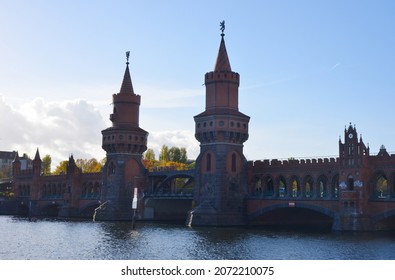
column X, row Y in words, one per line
column 295, row 187
column 233, row 162
column 322, row 184
column 269, row 186
column 111, row 168
column 208, row 162
column 335, row 185
column 350, row 184
column 282, row 187
column 258, row 185
column 381, row 186
column 308, row 186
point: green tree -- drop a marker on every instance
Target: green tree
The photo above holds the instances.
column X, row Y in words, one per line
column 149, row 155
column 174, row 154
column 47, row 164
column 183, row 155
column 164, row 154
column 61, row 168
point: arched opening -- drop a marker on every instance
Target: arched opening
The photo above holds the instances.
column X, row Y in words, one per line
column 298, row 218
column 208, row 162
column 111, row 168
column 282, row 187
column 295, row 188
column 381, row 186
column 308, row 186
column 322, row 186
column 350, row 183
column 269, row 186
column 258, row 186
column 335, row 186
column 234, row 169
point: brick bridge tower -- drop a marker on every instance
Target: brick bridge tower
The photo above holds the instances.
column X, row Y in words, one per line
column 124, row 143
column 221, row 168
column 354, row 175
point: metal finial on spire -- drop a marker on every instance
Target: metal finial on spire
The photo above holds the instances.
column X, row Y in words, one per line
column 127, row 57
column 222, row 25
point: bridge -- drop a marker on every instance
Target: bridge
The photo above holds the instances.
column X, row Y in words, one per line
column 166, row 181
column 279, row 198
column 169, row 195
column 345, row 212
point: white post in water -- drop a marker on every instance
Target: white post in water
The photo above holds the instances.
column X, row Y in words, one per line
column 134, row 206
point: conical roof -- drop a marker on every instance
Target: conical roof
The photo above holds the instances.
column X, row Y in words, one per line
column 127, row 87
column 222, row 63
column 37, row 156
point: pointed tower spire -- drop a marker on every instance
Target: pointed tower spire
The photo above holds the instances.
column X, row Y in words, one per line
column 37, row 156
column 222, row 63
column 127, row 87
column 221, row 130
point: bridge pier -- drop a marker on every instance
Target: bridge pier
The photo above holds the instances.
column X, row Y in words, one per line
column 352, row 222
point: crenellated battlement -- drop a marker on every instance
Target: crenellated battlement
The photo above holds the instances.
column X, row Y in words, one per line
column 218, row 76
column 305, row 162
column 126, row 98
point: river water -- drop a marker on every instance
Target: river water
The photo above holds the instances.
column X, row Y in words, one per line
column 52, row 239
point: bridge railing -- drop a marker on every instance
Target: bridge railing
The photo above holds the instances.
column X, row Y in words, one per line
column 169, row 195
column 159, row 171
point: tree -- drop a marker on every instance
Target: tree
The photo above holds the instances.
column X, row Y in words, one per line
column 47, row 164
column 175, row 154
column 183, row 155
column 164, row 154
column 61, row 168
column 149, row 155
column 89, row 166
column 174, row 157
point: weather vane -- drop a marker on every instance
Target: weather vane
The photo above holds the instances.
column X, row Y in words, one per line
column 127, row 57
column 222, row 24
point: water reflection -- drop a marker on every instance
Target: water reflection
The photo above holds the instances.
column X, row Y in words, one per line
column 66, row 239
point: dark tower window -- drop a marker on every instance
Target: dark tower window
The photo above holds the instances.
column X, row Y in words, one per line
column 111, row 168
column 208, row 162
column 233, row 162
column 350, row 183
column 269, row 186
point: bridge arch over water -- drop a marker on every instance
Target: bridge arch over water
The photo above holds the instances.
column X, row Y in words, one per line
column 290, row 213
column 171, row 181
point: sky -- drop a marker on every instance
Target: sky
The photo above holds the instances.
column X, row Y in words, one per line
column 307, row 70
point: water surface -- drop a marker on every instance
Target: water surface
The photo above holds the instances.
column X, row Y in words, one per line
column 47, row 239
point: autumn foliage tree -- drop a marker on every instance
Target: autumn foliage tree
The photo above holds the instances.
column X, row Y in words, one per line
column 174, row 157
column 86, row 165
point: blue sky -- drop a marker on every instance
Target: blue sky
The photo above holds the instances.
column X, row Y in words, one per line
column 308, row 69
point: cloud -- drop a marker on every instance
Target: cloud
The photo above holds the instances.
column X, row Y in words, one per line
column 176, row 138
column 56, row 128
column 68, row 127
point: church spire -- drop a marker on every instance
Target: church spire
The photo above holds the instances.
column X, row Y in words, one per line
column 222, row 63
column 37, row 156
column 127, row 87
